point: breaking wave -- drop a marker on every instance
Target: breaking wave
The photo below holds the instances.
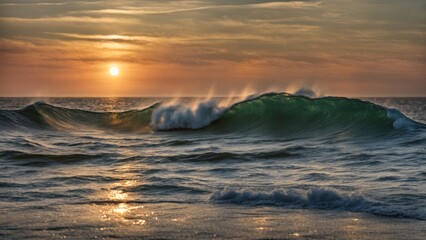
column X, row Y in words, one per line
column 317, row 198
column 181, row 116
column 272, row 112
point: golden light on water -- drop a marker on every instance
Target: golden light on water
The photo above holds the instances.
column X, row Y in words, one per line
column 118, row 195
column 122, row 208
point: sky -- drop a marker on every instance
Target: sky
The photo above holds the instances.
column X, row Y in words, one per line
column 221, row 47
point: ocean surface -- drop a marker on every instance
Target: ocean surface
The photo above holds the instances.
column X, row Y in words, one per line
column 264, row 166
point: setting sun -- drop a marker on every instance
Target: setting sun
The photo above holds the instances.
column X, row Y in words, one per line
column 114, row 71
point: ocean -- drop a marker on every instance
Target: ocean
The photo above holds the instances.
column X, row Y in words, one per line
column 266, row 166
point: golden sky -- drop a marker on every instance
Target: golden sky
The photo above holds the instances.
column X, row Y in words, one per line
column 191, row 47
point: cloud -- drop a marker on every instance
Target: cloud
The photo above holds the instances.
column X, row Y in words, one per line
column 188, row 6
column 51, row 20
column 287, row 4
column 268, row 39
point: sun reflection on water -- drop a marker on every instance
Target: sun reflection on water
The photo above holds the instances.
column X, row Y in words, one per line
column 118, row 195
column 123, row 209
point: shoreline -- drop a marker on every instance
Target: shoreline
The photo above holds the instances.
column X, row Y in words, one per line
column 202, row 221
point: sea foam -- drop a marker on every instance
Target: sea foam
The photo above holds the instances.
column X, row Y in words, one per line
column 185, row 116
column 316, row 198
column 400, row 120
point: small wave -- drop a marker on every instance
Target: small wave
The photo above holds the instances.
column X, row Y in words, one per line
column 83, row 179
column 222, row 156
column 316, row 177
column 24, row 158
column 166, row 188
column 317, row 198
column 387, row 178
column 179, row 143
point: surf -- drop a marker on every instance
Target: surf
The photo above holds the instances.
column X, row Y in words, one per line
column 315, row 198
column 271, row 113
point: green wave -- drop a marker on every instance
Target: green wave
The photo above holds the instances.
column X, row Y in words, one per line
column 272, row 113
column 41, row 115
column 289, row 114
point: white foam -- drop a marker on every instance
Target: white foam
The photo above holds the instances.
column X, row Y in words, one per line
column 194, row 115
column 185, row 116
column 400, row 121
column 317, row 198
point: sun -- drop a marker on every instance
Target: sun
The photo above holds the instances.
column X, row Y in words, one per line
column 114, row 71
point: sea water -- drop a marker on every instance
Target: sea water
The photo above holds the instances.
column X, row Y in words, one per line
column 270, row 165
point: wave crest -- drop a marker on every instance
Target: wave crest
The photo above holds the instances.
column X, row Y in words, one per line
column 317, row 198
column 40, row 115
column 182, row 116
column 272, row 113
